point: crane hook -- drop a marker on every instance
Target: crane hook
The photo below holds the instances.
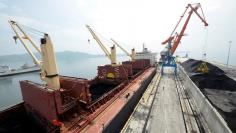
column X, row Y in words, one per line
column 89, row 41
column 15, row 39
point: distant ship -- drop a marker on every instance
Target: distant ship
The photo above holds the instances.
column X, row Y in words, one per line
column 146, row 54
column 7, row 71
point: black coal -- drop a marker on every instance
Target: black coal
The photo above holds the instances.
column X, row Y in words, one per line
column 215, row 79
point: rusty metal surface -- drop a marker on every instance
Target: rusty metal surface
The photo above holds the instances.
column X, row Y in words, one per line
column 99, row 89
column 39, row 98
column 113, row 106
column 5, row 114
column 128, row 68
column 79, row 88
column 138, row 64
column 80, row 101
column 98, row 107
column 16, row 120
column 112, row 73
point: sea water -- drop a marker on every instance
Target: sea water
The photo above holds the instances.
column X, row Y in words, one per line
column 10, row 92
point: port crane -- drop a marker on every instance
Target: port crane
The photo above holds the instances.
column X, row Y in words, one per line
column 47, row 64
column 174, row 39
column 133, row 53
column 111, row 55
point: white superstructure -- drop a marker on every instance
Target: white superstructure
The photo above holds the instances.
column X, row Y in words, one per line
column 146, row 54
column 4, row 69
column 7, row 71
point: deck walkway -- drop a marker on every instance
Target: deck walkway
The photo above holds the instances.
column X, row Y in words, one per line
column 166, row 110
column 166, row 114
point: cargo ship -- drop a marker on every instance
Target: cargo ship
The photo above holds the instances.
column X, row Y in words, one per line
column 147, row 54
column 71, row 104
column 7, row 71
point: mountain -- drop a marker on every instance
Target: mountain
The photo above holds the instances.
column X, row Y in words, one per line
column 73, row 55
column 59, row 55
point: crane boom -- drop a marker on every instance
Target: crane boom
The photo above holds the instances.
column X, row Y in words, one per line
column 112, row 55
column 127, row 53
column 99, row 42
column 174, row 39
column 177, row 38
column 15, row 26
column 28, row 38
column 132, row 55
column 48, row 66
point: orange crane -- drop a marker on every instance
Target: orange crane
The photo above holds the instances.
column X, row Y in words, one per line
column 175, row 38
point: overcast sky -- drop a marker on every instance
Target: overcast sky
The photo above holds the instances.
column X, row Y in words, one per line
column 130, row 22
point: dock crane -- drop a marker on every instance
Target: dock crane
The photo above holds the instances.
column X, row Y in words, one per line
column 133, row 53
column 47, row 64
column 175, row 38
column 111, row 55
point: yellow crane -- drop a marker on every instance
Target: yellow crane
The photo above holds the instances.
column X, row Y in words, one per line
column 111, row 55
column 133, row 53
column 47, row 64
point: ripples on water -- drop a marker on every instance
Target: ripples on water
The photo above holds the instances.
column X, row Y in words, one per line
column 10, row 92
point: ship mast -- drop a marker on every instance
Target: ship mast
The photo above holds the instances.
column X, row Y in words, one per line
column 133, row 53
column 48, row 66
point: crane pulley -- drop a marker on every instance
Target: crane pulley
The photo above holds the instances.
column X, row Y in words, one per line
column 23, row 37
column 133, row 53
column 47, row 64
column 111, row 55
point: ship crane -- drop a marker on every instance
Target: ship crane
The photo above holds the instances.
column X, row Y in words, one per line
column 175, row 38
column 47, row 64
column 111, row 55
column 133, row 53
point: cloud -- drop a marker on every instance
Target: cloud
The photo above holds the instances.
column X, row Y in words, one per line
column 131, row 22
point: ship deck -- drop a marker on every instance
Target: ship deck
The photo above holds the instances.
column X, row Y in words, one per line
column 170, row 112
column 161, row 109
column 104, row 119
column 170, row 105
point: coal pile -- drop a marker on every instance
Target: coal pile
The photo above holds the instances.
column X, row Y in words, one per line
column 217, row 87
column 97, row 90
column 191, row 66
column 214, row 81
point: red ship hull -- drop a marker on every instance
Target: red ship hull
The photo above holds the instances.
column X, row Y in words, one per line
column 82, row 105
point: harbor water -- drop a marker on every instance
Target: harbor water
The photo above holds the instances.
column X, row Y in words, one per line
column 10, row 92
